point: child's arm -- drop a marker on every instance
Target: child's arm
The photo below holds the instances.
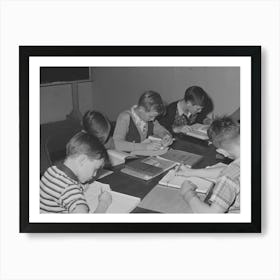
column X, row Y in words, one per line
column 182, row 129
column 197, row 206
column 81, row 209
column 211, row 173
column 73, row 200
column 163, row 133
column 120, row 133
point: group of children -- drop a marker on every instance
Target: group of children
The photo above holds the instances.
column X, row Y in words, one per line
column 62, row 186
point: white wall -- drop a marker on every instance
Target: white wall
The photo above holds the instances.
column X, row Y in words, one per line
column 116, row 89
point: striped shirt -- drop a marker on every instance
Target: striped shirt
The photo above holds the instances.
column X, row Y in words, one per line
column 226, row 192
column 60, row 190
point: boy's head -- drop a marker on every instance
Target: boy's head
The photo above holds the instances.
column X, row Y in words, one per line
column 85, row 155
column 97, row 124
column 150, row 105
column 225, row 134
column 195, row 100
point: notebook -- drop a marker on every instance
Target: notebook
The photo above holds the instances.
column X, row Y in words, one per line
column 199, row 131
column 148, row 168
column 117, row 157
column 149, row 153
column 165, row 200
column 178, row 156
column 121, row 203
column 171, row 180
column 103, row 173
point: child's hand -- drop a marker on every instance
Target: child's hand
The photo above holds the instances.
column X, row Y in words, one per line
column 167, row 140
column 187, row 190
column 184, row 171
column 146, row 141
column 153, row 146
column 185, row 129
column 105, row 188
column 105, row 198
column 182, row 129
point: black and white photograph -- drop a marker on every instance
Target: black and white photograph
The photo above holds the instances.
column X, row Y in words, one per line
column 146, row 135
column 139, row 140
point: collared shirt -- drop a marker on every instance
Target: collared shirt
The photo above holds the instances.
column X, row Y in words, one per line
column 60, row 190
column 226, row 193
column 181, row 119
column 142, row 125
column 180, row 110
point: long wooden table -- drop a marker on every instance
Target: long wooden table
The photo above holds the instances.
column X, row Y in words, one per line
column 127, row 184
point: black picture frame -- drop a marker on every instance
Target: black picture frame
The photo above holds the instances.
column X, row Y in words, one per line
column 254, row 52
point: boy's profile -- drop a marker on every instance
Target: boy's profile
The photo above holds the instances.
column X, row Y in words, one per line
column 193, row 108
column 225, row 134
column 61, row 186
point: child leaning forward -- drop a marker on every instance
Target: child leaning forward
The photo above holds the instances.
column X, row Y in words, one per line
column 62, row 186
column 135, row 125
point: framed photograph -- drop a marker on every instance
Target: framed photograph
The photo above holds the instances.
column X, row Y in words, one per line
column 169, row 113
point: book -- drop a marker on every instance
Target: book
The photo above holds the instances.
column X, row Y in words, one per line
column 224, row 153
column 175, row 181
column 199, row 131
column 121, row 203
column 182, row 157
column 148, row 168
column 117, row 157
column 149, row 153
column 103, row 173
column 219, row 164
column 165, row 200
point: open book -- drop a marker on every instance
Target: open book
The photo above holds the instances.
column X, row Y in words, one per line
column 171, row 180
column 199, row 131
column 121, row 203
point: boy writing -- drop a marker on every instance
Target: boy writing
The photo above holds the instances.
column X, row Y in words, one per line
column 193, row 108
column 134, row 126
column 61, row 189
column 225, row 134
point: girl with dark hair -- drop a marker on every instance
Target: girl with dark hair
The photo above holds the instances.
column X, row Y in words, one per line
column 193, row 108
column 95, row 123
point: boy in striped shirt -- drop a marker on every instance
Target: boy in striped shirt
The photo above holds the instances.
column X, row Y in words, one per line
column 61, row 186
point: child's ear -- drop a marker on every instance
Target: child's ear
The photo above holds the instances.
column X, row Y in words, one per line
column 82, row 159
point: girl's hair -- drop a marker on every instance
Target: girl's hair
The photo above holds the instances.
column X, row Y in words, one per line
column 223, row 129
column 197, row 96
column 96, row 124
column 84, row 143
column 151, row 101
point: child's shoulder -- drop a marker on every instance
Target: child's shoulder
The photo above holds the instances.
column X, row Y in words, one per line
column 124, row 116
column 56, row 173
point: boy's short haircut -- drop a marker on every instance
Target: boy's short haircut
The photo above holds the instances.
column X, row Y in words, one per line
column 95, row 123
column 151, row 101
column 84, row 143
column 223, row 129
column 197, row 96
